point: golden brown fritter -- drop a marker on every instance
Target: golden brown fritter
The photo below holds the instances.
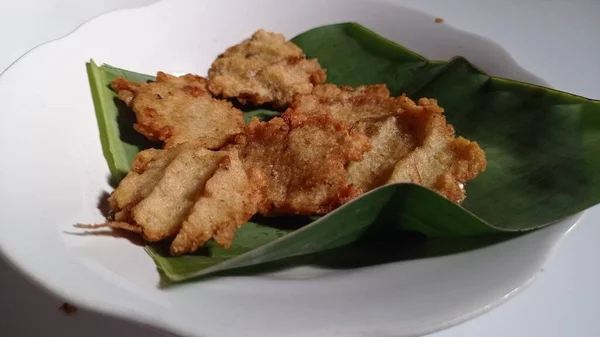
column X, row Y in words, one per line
column 390, row 141
column 161, row 189
column 346, row 104
column 195, row 194
column 410, row 142
column 264, row 69
column 440, row 160
column 186, row 191
column 300, row 165
column 180, row 109
column 227, row 201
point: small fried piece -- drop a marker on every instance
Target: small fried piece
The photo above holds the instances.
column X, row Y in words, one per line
column 180, row 109
column 227, row 201
column 68, row 308
column 161, row 213
column 146, row 171
column 300, row 166
column 156, row 196
column 186, row 191
column 410, row 142
column 264, row 69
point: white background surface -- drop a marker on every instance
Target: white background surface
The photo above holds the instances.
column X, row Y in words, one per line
column 556, row 40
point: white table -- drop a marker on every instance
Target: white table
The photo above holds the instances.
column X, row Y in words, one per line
column 565, row 299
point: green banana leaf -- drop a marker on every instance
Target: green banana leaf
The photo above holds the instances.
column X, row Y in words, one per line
column 542, row 147
column 115, row 122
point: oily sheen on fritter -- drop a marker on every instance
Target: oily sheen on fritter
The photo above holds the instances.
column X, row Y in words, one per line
column 264, row 69
column 411, row 142
column 300, row 166
column 180, row 109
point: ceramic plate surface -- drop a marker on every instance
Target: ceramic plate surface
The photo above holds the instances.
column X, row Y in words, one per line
column 52, row 174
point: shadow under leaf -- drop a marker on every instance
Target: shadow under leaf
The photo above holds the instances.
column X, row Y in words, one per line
column 127, row 134
column 126, row 120
column 394, row 247
column 287, row 222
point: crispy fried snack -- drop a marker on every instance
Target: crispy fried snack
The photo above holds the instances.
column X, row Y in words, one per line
column 264, row 69
column 410, row 142
column 440, row 160
column 186, row 191
column 346, row 104
column 227, row 201
column 300, row 166
column 180, row 109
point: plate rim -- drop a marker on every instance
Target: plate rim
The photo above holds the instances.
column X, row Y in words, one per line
column 119, row 313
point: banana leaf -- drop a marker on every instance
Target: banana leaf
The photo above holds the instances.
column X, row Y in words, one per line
column 542, row 147
column 115, row 122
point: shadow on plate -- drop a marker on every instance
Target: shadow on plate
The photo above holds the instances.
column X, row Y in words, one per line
column 104, row 207
column 23, row 299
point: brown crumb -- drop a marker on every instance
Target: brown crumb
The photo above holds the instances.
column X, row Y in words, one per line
column 68, row 308
column 439, row 20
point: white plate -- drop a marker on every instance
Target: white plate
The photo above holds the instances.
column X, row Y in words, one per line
column 53, row 172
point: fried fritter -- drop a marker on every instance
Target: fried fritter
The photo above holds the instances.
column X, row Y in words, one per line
column 180, row 109
column 440, row 160
column 161, row 189
column 346, row 104
column 227, row 201
column 195, row 194
column 264, row 69
column 391, row 141
column 410, row 142
column 300, row 165
column 186, row 191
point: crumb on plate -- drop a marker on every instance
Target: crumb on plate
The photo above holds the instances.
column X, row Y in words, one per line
column 68, row 308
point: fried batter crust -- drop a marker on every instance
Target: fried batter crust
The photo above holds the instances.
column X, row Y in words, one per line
column 158, row 194
column 180, row 109
column 227, row 201
column 186, row 192
column 300, row 165
column 411, row 142
column 194, row 194
column 264, row 69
